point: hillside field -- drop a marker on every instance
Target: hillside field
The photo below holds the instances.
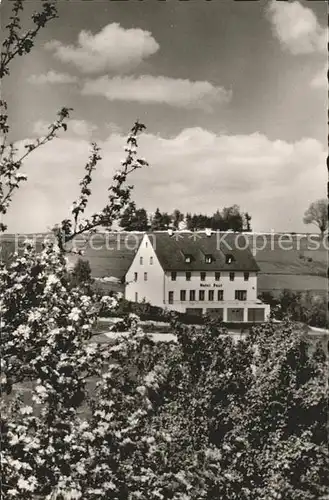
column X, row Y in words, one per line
column 304, row 267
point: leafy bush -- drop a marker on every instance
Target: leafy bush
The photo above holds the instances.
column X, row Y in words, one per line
column 301, row 306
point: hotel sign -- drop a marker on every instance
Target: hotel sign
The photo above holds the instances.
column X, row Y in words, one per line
column 208, row 285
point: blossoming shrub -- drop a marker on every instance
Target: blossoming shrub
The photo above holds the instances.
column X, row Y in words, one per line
column 45, row 326
column 202, row 418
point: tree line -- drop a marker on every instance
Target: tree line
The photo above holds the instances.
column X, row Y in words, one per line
column 229, row 218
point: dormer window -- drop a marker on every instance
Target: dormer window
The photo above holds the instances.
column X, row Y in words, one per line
column 208, row 258
column 188, row 258
column 229, row 258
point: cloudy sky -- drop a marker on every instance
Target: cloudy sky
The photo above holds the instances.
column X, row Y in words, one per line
column 233, row 95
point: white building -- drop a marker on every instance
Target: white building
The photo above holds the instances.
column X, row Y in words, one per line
column 203, row 272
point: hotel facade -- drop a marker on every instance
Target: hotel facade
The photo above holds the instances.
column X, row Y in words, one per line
column 197, row 273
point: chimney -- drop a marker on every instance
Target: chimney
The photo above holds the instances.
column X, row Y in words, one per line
column 208, row 231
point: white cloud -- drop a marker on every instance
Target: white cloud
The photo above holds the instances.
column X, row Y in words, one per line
column 52, row 77
column 80, row 128
column 297, row 27
column 158, row 89
column 114, row 48
column 196, row 170
column 320, row 80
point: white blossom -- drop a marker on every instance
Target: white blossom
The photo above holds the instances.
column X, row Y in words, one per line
column 27, row 484
column 34, row 316
column 26, row 410
column 74, row 315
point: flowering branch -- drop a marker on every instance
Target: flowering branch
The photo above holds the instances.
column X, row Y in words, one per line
column 20, row 44
column 119, row 194
column 10, row 177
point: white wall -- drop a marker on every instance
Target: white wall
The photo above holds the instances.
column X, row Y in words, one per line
column 229, row 287
column 151, row 290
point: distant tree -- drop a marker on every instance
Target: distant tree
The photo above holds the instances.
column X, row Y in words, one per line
column 81, row 273
column 217, row 221
column 317, row 214
column 203, row 221
column 134, row 219
column 188, row 220
column 194, row 222
column 177, row 217
column 232, row 218
column 128, row 216
column 161, row 221
column 166, row 220
column 141, row 221
column 156, row 221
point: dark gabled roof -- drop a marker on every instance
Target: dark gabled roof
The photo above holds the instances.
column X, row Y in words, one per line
column 170, row 251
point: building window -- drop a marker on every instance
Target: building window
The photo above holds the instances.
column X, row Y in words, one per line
column 151, row 260
column 188, row 276
column 173, row 276
column 183, row 295
column 136, row 297
column 201, row 294
column 246, row 276
column 145, row 276
column 208, row 259
column 135, row 276
column 141, row 260
column 240, row 294
column 171, row 297
column 188, row 259
column 202, row 276
column 211, row 295
column 229, row 258
column 146, row 245
column 192, row 295
column 217, row 276
column 232, row 276
column 220, row 295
